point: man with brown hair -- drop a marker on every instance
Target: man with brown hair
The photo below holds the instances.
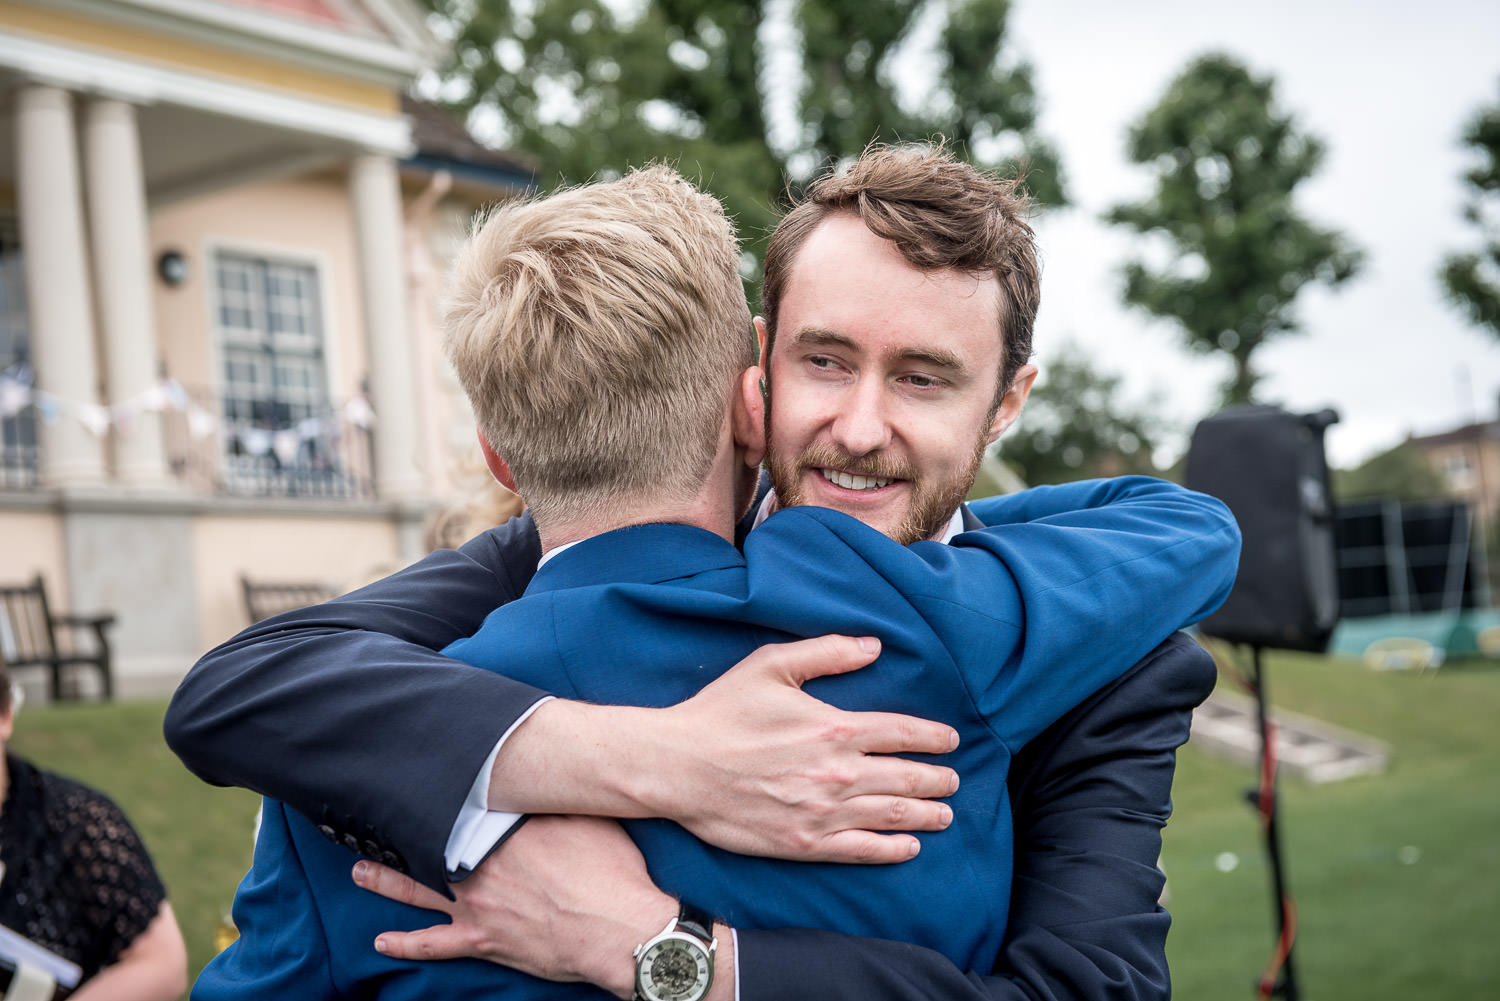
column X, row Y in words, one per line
column 888, row 281
column 896, row 360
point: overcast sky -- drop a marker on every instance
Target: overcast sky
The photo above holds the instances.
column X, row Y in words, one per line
column 1389, row 87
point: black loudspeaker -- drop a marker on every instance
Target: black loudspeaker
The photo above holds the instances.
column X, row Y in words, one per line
column 1269, row 467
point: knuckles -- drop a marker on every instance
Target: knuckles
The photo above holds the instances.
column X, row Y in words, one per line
column 896, row 812
column 908, row 735
column 837, row 730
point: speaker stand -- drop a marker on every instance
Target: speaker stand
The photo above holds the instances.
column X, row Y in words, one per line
column 1264, row 799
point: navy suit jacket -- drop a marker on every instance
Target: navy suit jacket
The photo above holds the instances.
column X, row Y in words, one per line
column 1001, row 686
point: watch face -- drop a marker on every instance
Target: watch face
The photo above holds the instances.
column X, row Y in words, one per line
column 674, row 969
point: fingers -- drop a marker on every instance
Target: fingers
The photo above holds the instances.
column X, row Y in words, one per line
column 892, row 733
column 877, row 733
column 900, row 778
column 866, row 848
column 403, row 889
column 814, row 658
column 437, row 942
column 895, row 813
column 861, row 844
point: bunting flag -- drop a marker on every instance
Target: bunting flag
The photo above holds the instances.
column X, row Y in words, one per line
column 15, row 395
column 17, row 392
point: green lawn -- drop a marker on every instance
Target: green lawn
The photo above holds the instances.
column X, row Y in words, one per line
column 199, row 836
column 1397, row 876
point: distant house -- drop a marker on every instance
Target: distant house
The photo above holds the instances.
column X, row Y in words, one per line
column 221, row 231
column 1468, row 459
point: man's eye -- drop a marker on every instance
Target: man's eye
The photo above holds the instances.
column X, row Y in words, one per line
column 923, row 381
column 819, row 361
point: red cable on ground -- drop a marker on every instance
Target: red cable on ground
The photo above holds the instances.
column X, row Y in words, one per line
column 1283, row 949
column 1266, row 800
column 1265, row 806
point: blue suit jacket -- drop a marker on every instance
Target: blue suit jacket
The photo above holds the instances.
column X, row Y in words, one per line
column 981, row 635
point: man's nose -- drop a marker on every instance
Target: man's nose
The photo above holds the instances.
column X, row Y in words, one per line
column 862, row 425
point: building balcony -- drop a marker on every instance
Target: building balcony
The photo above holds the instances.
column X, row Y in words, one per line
column 267, row 450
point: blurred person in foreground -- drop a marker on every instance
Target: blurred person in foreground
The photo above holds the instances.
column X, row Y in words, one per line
column 76, row 880
column 1131, row 548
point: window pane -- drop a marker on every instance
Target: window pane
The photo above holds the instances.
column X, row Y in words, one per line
column 18, row 439
column 272, row 345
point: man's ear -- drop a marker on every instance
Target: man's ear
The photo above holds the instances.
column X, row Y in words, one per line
column 498, row 467
column 1014, row 400
column 760, row 339
column 748, row 409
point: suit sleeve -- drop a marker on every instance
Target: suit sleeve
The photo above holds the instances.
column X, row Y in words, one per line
column 1034, row 613
column 332, row 709
column 1106, row 570
column 1090, row 796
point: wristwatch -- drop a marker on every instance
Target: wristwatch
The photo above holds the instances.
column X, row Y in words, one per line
column 678, row 964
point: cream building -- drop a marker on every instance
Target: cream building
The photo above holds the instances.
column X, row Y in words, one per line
column 220, row 234
column 1468, row 460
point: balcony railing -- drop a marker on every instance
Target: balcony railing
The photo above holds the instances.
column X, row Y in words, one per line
column 327, row 455
column 19, row 416
column 19, row 458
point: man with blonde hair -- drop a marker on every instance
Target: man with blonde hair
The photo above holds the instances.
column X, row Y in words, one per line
column 619, row 307
column 871, row 383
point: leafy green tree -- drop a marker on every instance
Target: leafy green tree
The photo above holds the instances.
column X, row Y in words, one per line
column 1400, row 473
column 1472, row 280
column 1076, row 426
column 593, row 88
column 1227, row 162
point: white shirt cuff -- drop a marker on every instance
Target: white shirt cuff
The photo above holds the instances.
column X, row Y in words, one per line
column 735, row 938
column 478, row 828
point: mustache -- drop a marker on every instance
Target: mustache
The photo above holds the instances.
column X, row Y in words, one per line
column 829, row 456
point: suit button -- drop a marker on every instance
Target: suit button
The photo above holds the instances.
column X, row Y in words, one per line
column 351, row 842
column 393, row 860
column 370, row 849
column 328, row 832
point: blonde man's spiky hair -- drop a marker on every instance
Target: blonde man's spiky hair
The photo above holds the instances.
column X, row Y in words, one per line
column 598, row 332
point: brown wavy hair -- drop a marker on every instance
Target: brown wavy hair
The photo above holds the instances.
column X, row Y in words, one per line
column 940, row 212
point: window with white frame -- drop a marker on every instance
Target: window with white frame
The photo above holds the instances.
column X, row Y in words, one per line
column 270, row 325
column 274, row 387
column 1457, row 469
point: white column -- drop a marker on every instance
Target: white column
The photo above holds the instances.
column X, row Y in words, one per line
column 61, row 313
column 122, row 271
column 376, row 192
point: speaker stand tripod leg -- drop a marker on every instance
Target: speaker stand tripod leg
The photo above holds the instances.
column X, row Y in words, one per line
column 1286, row 986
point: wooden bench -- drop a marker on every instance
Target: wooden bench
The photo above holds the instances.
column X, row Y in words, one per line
column 30, row 634
column 264, row 599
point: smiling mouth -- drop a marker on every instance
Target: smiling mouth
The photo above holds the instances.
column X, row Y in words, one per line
column 853, row 481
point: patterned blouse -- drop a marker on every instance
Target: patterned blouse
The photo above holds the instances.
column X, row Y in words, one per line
column 77, row 878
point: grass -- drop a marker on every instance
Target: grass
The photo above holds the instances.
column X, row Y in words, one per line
column 199, row 836
column 1395, row 875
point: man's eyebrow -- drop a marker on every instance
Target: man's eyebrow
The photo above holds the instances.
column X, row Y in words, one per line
column 932, row 357
column 821, row 337
column 935, row 357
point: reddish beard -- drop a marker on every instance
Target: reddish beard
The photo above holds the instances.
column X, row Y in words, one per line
column 932, row 502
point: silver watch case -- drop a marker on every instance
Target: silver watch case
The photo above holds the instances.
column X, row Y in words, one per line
column 674, row 966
